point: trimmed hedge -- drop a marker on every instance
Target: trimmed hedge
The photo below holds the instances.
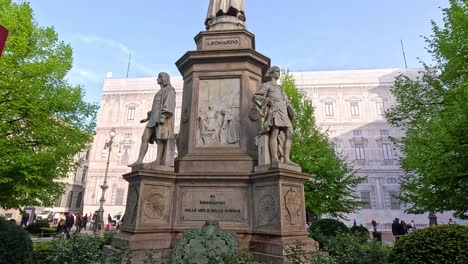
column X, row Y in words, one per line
column 360, row 231
column 439, row 244
column 324, row 228
column 36, row 227
column 15, row 244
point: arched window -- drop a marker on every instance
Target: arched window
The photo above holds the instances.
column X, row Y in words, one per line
column 79, row 199
column 69, row 199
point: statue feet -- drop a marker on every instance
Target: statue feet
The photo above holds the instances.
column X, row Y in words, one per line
column 290, row 163
column 136, row 163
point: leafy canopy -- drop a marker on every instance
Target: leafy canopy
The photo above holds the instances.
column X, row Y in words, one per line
column 330, row 190
column 433, row 111
column 44, row 121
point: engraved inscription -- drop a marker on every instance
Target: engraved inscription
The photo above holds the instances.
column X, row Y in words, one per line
column 225, row 42
column 202, row 205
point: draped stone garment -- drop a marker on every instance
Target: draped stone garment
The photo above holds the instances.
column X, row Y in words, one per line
column 163, row 107
column 273, row 104
column 225, row 7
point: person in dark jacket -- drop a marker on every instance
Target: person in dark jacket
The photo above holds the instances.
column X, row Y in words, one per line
column 397, row 229
column 69, row 221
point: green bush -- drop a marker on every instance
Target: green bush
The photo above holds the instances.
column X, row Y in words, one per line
column 348, row 248
column 324, row 228
column 15, row 244
column 76, row 250
column 439, row 244
column 35, row 228
column 361, row 232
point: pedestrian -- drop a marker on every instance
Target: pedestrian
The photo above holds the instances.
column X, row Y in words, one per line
column 69, row 221
column 85, row 221
column 374, row 225
column 24, row 219
column 79, row 223
column 109, row 221
column 412, row 225
column 397, row 230
column 60, row 228
column 404, row 227
column 56, row 218
column 451, row 222
column 96, row 224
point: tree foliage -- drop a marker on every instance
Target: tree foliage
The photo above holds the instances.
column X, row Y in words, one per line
column 330, row 190
column 44, row 121
column 433, row 111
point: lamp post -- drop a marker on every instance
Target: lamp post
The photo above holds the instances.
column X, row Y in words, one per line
column 104, row 186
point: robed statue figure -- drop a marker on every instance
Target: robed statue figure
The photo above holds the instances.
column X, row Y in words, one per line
column 160, row 126
column 218, row 8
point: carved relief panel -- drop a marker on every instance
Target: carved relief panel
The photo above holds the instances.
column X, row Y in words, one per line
column 156, row 204
column 266, row 206
column 131, row 210
column 293, row 206
column 218, row 112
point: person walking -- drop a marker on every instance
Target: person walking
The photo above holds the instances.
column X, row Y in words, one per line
column 24, row 219
column 374, row 225
column 109, row 221
column 404, row 227
column 79, row 223
column 96, row 224
column 397, row 230
column 69, row 221
column 85, row 221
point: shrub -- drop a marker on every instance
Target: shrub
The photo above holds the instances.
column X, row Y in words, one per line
column 439, row 244
column 15, row 244
column 348, row 248
column 360, row 231
column 35, row 228
column 324, row 228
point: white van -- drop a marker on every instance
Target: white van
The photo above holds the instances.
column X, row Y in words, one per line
column 46, row 214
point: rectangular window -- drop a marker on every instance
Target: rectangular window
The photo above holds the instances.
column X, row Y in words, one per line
column 119, row 197
column 392, row 181
column 329, row 109
column 394, row 202
column 354, row 108
column 387, row 151
column 357, row 132
column 359, row 151
column 380, row 108
column 131, row 113
column 384, row 132
column 365, row 198
column 125, row 154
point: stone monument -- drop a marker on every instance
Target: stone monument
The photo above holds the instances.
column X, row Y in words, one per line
column 218, row 174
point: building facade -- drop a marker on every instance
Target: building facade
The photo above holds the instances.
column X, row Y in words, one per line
column 349, row 106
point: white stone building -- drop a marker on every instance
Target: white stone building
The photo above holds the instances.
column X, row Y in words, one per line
column 349, row 105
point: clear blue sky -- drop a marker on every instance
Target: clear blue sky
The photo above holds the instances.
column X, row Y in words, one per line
column 299, row 35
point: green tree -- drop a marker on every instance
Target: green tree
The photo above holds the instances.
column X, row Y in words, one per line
column 44, row 121
column 330, row 190
column 433, row 111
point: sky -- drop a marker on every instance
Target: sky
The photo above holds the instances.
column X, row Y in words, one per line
column 298, row 35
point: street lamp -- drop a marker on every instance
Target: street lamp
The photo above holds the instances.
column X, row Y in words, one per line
column 104, row 186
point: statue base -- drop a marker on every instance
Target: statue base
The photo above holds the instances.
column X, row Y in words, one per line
column 265, row 209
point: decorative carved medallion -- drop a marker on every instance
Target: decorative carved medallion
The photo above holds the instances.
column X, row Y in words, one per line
column 293, row 205
column 154, row 206
column 268, row 207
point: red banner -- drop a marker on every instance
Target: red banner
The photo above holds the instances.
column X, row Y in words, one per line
column 3, row 38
